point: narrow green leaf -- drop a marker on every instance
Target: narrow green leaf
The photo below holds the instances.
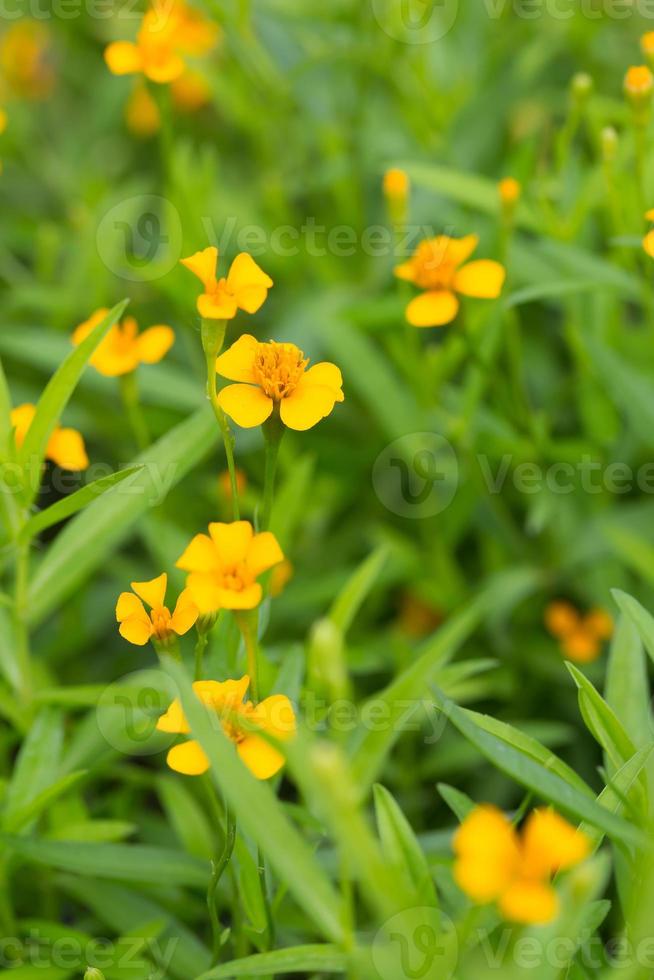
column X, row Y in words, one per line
column 627, row 685
column 642, row 620
column 298, row 959
column 18, row 819
column 36, row 766
column 459, row 803
column 619, row 789
column 357, row 588
column 400, row 846
column 186, row 816
column 601, row 720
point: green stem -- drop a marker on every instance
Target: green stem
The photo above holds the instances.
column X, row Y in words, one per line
column 130, row 395
column 20, row 622
column 200, row 647
column 248, row 623
column 273, row 431
column 213, row 336
column 640, row 136
column 221, row 859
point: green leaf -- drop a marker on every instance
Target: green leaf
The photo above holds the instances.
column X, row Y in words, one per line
column 356, row 589
column 36, row 766
column 119, row 862
column 627, row 684
column 459, row 803
column 186, row 816
column 400, row 846
column 56, row 396
column 260, row 815
column 297, row 959
column 534, row 776
column 20, row 818
column 618, row 790
column 85, row 542
column 630, row 388
column 73, row 503
column 642, row 620
column 601, row 721
column 249, row 887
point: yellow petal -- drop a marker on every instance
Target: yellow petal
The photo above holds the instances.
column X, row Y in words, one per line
column 174, row 720
column 248, row 598
column 232, row 541
column 648, row 243
column 188, row 758
column 432, row 309
column 203, row 264
column 204, row 590
column 308, row 404
column 219, row 305
column 325, row 374
column 488, row 854
column 21, row 418
column 163, row 65
column 82, row 331
column 152, row 592
column 261, row 758
column 185, row 614
column 551, row 844
column 529, row 903
column 123, row 58
column 649, row 215
column 248, row 282
column 458, row 250
column 237, row 362
column 129, row 605
column 276, row 716
column 136, row 630
column 247, row 405
column 263, row 553
column 221, row 694
column 406, row 271
column 483, row 279
column 154, row 343
column 200, row 556
column 66, row 449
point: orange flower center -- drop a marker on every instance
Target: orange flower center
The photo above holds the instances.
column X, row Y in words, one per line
column 278, row 368
column 236, row 578
column 433, row 267
column 231, row 720
column 161, row 618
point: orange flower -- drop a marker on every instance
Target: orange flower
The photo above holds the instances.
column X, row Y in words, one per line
column 396, row 183
column 639, row 83
column 510, row 191
column 239, row 721
column 225, row 564
column 124, row 348
column 25, row 62
column 138, row 626
column 245, row 287
column 275, row 375
column 437, row 266
column 580, row 636
column 65, row 446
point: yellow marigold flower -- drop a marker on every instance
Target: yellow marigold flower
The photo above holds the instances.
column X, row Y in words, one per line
column 25, row 64
column 138, row 626
column 274, row 715
column 510, row 191
column 495, row 863
column 437, row 266
column 599, row 623
column 639, row 83
column 124, row 348
column 225, row 564
column 647, row 43
column 561, row 618
column 191, row 91
column 142, row 112
column 274, row 375
column 244, row 288
column 396, row 183
column 65, row 447
column 580, row 636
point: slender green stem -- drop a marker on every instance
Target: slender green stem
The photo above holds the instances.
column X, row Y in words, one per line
column 224, row 850
column 248, row 623
column 20, row 622
column 213, row 336
column 640, row 136
column 272, row 455
column 200, row 648
column 130, row 394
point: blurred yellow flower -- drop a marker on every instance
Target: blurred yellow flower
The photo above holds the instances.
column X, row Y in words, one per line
column 639, row 84
column 648, row 240
column 647, row 43
column 495, row 863
column 510, row 191
column 25, row 60
column 239, row 720
column 65, row 447
column 580, row 636
column 437, row 266
column 4, row 119
column 142, row 112
column 280, row 576
column 245, row 287
column 275, row 375
column 138, row 626
column 225, row 564
column 191, row 91
column 124, row 348
column 396, row 183
column 225, row 483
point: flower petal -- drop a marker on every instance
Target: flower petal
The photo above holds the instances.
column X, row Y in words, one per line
column 174, row 720
column 261, row 758
column 237, row 362
column 185, row 614
column 152, row 592
column 328, row 375
column 551, row 844
column 123, row 58
column 204, row 590
column 530, row 903
column 219, row 305
column 247, row 405
column 432, row 309
column 136, row 630
column 248, row 598
column 483, row 279
column 308, row 404
column 648, row 243
column 21, row 418
column 232, row 541
column 488, row 854
column 248, row 282
column 203, row 264
column 406, row 271
column 200, row 556
column 163, row 65
column 188, row 758
column 82, row 331
column 276, row 716
column 221, row 694
column 129, row 605
column 458, row 250
column 66, row 448
column 263, row 553
column 154, row 343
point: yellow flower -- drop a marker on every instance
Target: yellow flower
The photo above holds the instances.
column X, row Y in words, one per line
column 274, row 375
column 437, row 266
column 225, row 564
column 65, row 446
column 124, row 348
column 244, row 288
column 25, row 65
column 138, row 626
column 639, row 85
column 191, row 91
column 648, row 240
column 142, row 112
column 580, row 636
column 510, row 191
column 274, row 715
column 396, row 183
column 647, row 43
column 3, row 121
column 494, row 863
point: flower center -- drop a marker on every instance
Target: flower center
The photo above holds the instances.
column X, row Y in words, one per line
column 236, row 578
column 278, row 368
column 161, row 618
column 230, row 720
column 434, row 270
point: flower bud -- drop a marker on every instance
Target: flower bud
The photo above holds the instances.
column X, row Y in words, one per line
column 581, row 88
column 639, row 88
column 609, row 144
column 93, row 974
column 396, row 186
